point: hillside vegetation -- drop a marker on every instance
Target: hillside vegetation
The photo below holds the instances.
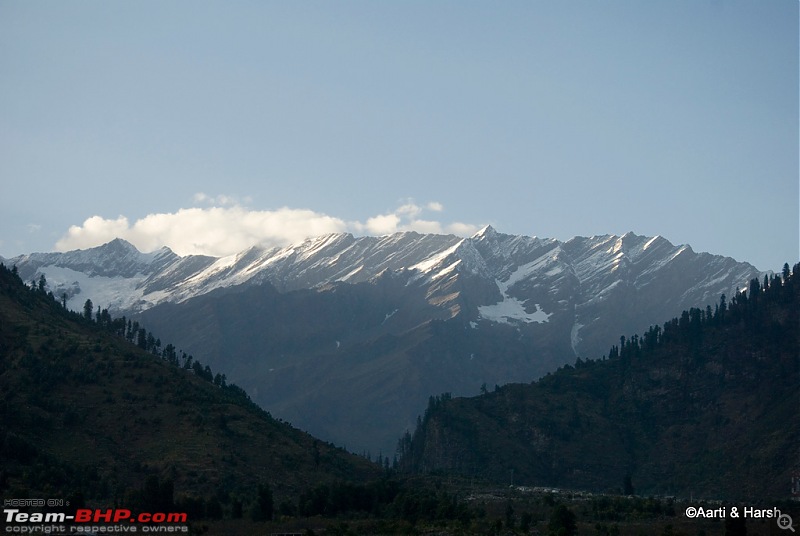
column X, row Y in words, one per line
column 86, row 413
column 706, row 405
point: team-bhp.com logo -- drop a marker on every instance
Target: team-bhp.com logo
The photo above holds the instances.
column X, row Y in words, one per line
column 86, row 520
column 86, row 515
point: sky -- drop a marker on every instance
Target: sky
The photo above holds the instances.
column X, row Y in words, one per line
column 209, row 127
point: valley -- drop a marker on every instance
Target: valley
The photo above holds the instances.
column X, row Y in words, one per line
column 347, row 337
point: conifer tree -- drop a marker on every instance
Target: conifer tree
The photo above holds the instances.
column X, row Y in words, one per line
column 88, row 308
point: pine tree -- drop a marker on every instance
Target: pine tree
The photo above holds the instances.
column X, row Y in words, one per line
column 627, row 485
column 264, row 504
column 562, row 521
column 88, row 308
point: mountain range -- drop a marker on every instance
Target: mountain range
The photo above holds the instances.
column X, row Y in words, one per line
column 347, row 337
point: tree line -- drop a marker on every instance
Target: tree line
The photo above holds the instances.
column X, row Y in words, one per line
column 134, row 333
column 689, row 329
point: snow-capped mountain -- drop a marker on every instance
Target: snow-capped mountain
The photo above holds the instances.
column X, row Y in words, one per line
column 515, row 279
column 401, row 317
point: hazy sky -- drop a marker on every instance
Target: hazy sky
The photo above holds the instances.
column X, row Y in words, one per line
column 209, row 126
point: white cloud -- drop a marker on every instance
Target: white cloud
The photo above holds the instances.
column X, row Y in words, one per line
column 227, row 227
column 378, row 225
column 462, row 229
column 409, row 210
column 223, row 200
column 213, row 231
column 94, row 231
column 425, row 226
column 406, row 217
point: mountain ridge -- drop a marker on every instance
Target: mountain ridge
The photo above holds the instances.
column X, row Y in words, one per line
column 165, row 276
column 401, row 316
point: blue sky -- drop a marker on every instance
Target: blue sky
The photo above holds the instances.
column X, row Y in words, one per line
column 212, row 125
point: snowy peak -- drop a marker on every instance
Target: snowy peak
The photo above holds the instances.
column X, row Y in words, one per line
column 118, row 245
column 491, row 276
column 115, row 258
column 486, row 233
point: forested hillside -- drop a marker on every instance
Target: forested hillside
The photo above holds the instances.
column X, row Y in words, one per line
column 87, row 413
column 705, row 405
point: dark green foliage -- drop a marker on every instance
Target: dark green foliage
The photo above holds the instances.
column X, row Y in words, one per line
column 213, row 509
column 562, row 522
column 335, row 499
column 83, row 412
column 264, row 506
column 155, row 495
column 17, row 448
column 611, row 508
column 627, row 485
column 735, row 526
column 237, row 509
column 509, row 516
column 385, row 499
column 87, row 309
column 525, row 522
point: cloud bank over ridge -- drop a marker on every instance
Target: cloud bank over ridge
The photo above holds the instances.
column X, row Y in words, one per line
column 226, row 226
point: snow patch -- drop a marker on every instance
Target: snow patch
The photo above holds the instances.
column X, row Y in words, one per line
column 388, row 316
column 511, row 309
column 113, row 293
column 428, row 264
column 554, row 271
column 650, row 242
column 446, row 270
column 351, row 274
column 575, row 338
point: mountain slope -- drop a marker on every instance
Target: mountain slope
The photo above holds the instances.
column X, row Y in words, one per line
column 347, row 336
column 83, row 411
column 512, row 279
column 707, row 406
